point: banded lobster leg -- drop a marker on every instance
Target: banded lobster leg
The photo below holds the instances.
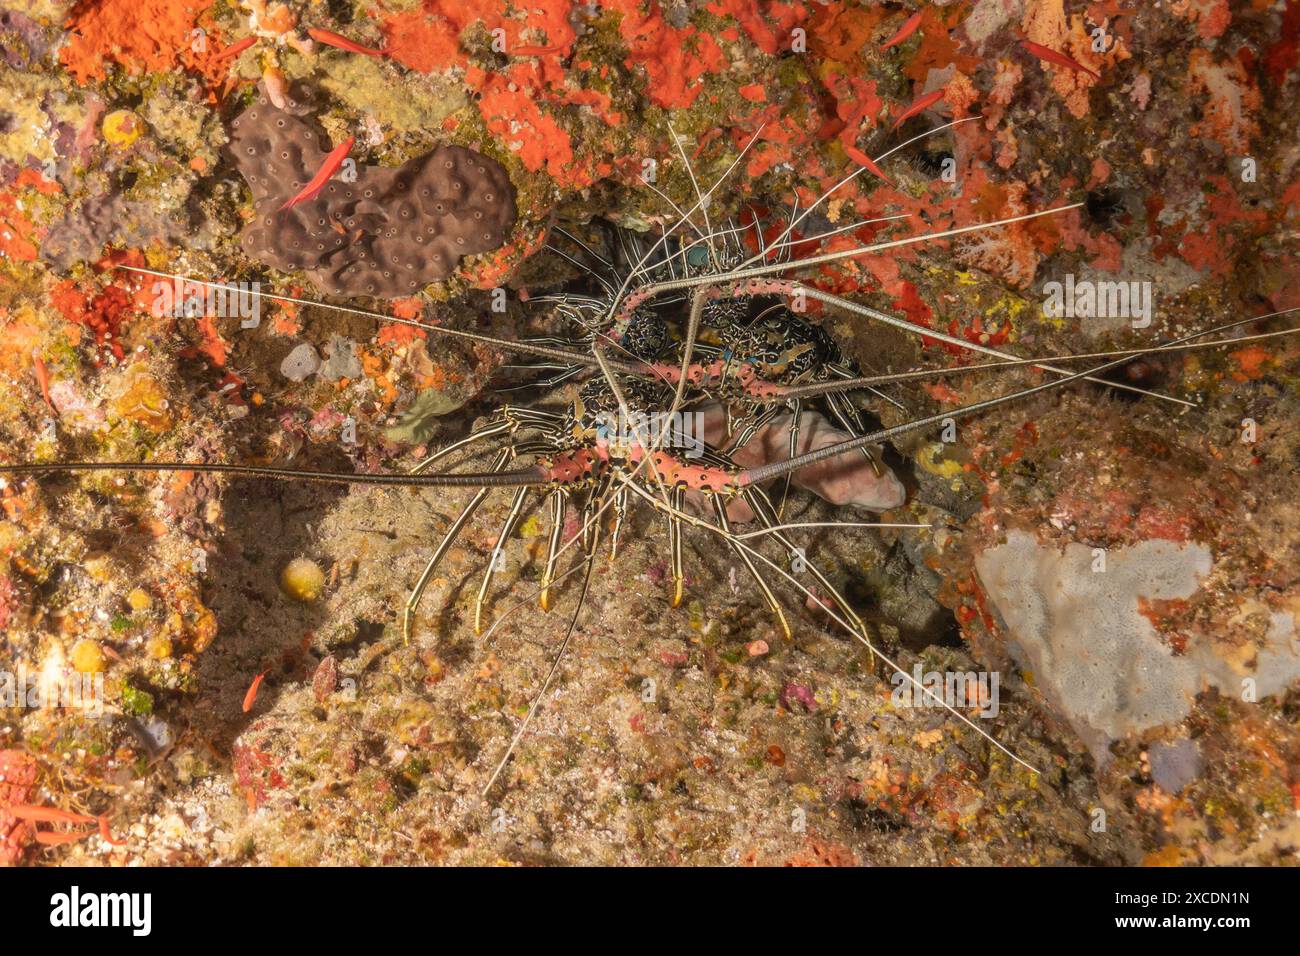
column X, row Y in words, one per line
column 511, row 417
column 620, row 515
column 591, row 511
column 507, row 529
column 591, row 536
column 845, row 415
column 559, row 500
column 412, row 602
column 750, row 426
column 761, row 505
column 796, row 410
column 850, row 419
column 720, row 508
column 678, row 496
column 564, row 373
column 482, row 434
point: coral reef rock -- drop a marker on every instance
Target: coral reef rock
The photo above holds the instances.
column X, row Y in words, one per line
column 83, row 233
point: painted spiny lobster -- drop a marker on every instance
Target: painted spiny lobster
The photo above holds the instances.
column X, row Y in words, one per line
column 681, row 322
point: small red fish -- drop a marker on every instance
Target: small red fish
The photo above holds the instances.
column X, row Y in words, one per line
column 905, row 31
column 35, row 814
column 535, row 50
column 327, row 169
column 329, row 38
column 1060, row 59
column 107, row 834
column 251, row 696
column 924, row 103
column 862, row 159
column 236, row 48
column 43, row 379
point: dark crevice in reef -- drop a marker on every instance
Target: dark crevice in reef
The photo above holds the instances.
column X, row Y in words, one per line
column 1105, row 206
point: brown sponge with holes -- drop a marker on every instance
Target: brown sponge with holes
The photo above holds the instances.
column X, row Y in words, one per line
column 389, row 233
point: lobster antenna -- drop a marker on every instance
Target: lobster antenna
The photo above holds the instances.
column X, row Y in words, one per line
column 530, row 476
column 849, row 384
column 618, row 298
column 790, row 243
column 545, row 351
column 914, row 329
column 759, row 271
column 778, row 468
column 703, row 202
column 762, row 254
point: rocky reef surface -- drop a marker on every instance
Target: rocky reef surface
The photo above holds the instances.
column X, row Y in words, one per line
column 1126, row 568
